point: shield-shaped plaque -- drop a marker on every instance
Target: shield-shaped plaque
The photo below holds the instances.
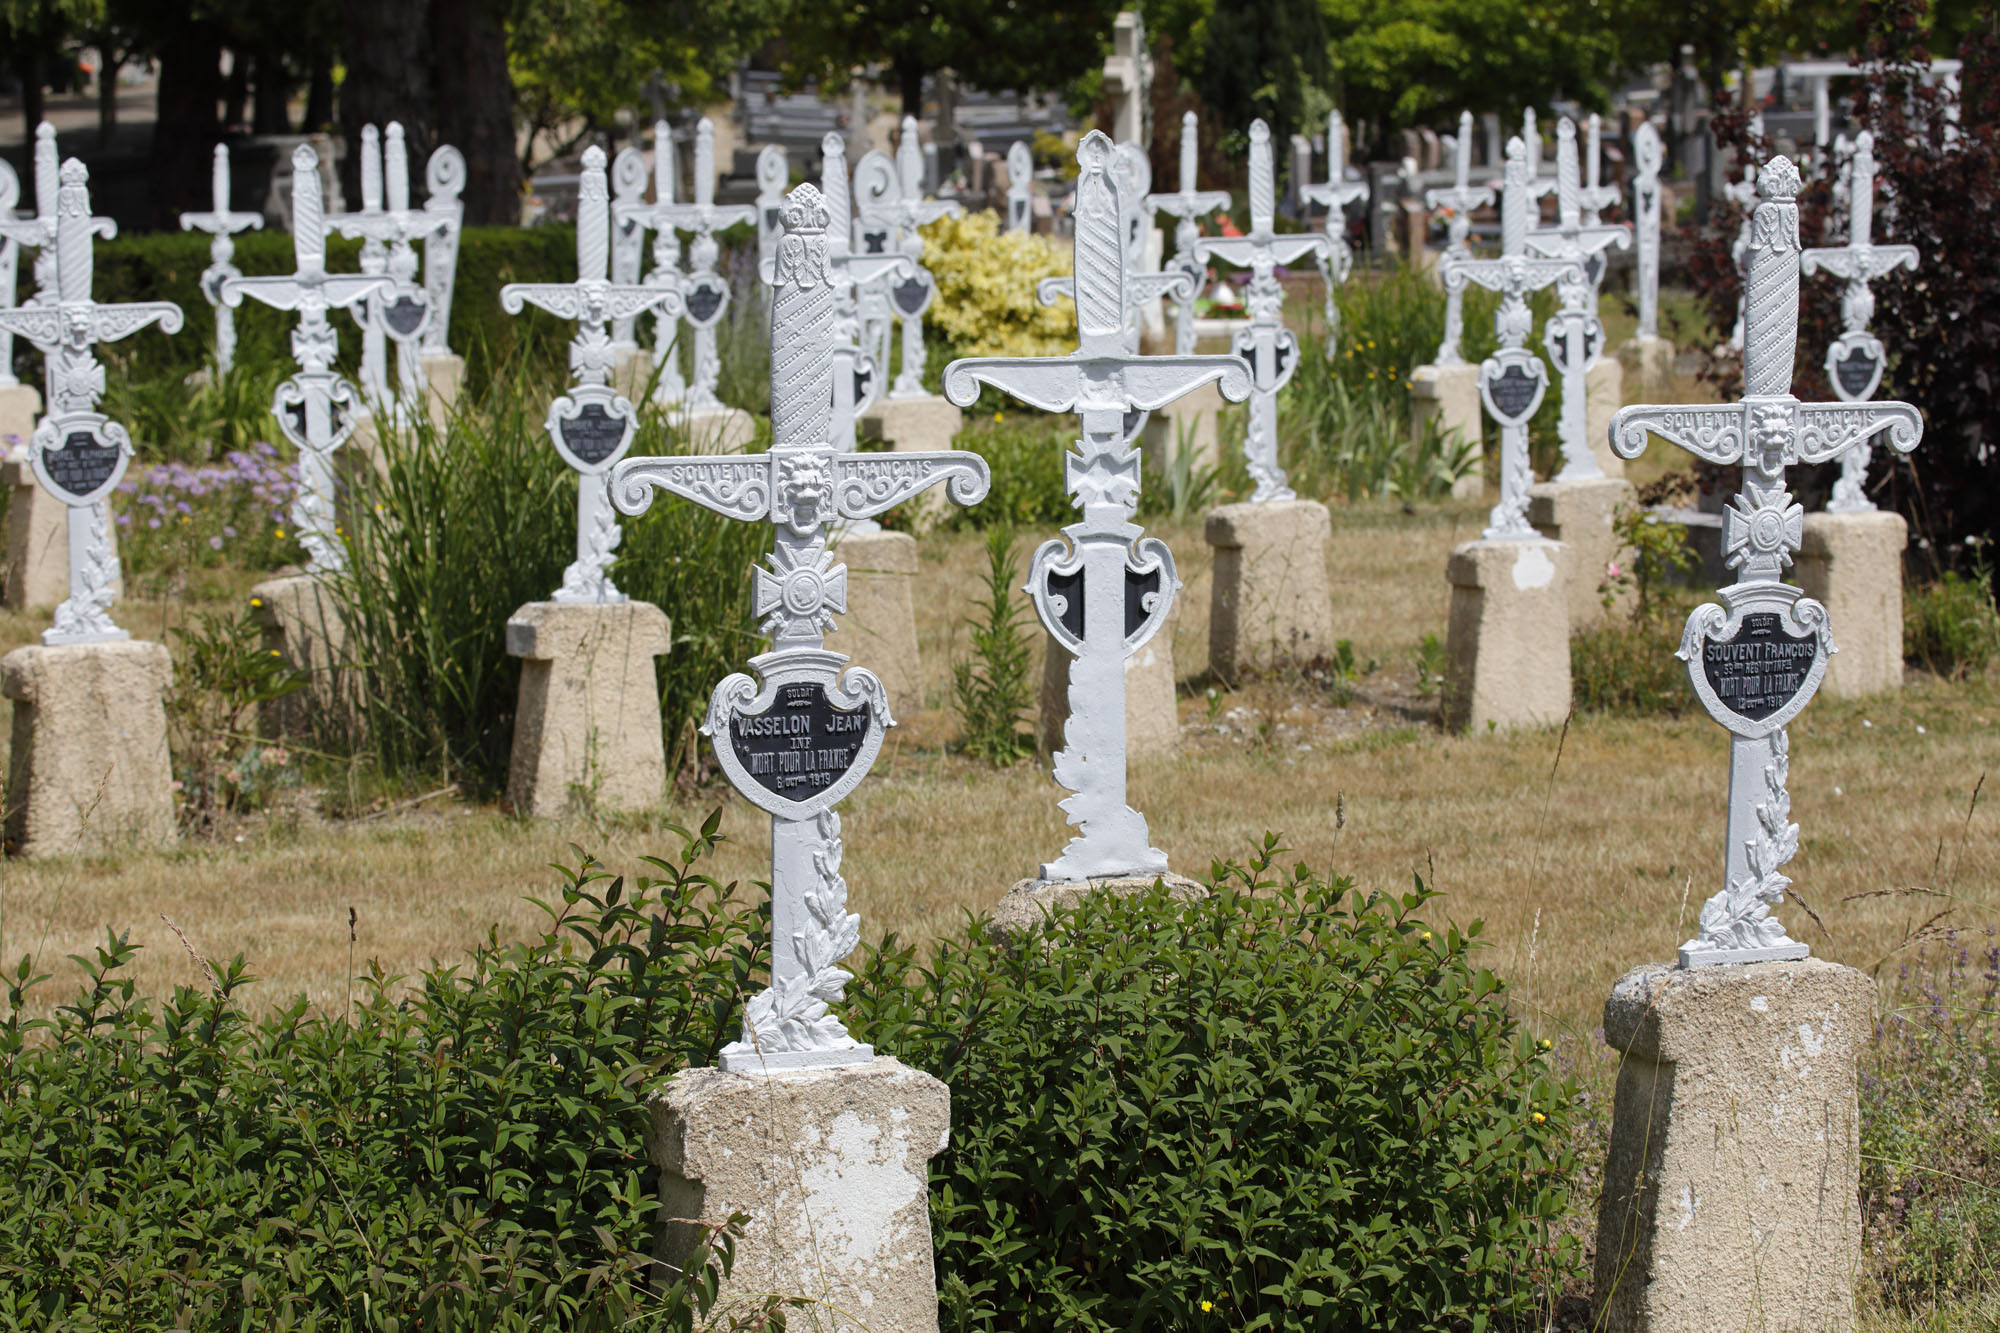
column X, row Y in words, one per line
column 593, row 433
column 771, row 216
column 404, row 317
column 1854, row 364
column 1512, row 383
column 79, row 456
column 291, row 414
column 912, row 295
column 211, row 284
column 802, row 743
column 1593, row 267
column 707, row 298
column 1756, row 667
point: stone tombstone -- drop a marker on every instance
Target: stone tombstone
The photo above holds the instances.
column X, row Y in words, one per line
column 1574, row 338
column 1336, row 261
column 222, row 225
column 1103, row 589
column 1655, row 353
column 1021, row 187
column 398, row 311
column 1188, row 206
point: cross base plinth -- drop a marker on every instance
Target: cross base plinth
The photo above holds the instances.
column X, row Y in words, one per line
column 830, row 1165
column 37, row 541
column 1603, row 395
column 1269, row 604
column 880, row 627
column 587, row 730
column 1653, row 361
column 301, row 620
column 1853, row 565
column 444, row 374
column 1729, row 1189
column 1031, row 901
column 1507, row 647
column 914, row 425
column 1579, row 514
column 715, row 430
column 1187, row 421
column 631, row 372
column 1448, row 396
column 89, row 770
column 20, row 408
column 1152, row 708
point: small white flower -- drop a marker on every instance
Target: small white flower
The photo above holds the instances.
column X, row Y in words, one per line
column 1920, row 729
column 1866, row 723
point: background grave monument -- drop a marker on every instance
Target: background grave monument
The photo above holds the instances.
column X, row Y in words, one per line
column 1507, row 646
column 442, row 369
column 89, row 765
column 393, row 313
column 1446, row 392
column 1654, row 353
column 222, row 225
column 1337, row 260
column 1736, row 1129
column 1191, row 417
column 1020, row 187
column 709, row 422
column 587, row 730
column 892, row 205
column 756, row 1135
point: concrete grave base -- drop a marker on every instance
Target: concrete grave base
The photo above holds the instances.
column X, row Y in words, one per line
column 444, row 372
column 587, row 729
column 1507, row 648
column 89, row 769
column 1269, row 603
column 914, row 425
column 1729, row 1191
column 1578, row 514
column 1449, row 396
column 1190, row 418
column 1655, row 358
column 726, row 430
column 879, row 630
column 1152, row 709
column 300, row 618
column 20, row 405
column 1854, row 564
column 37, row 540
column 832, row 1168
column 631, row 372
column 1030, row 901
column 1603, row 395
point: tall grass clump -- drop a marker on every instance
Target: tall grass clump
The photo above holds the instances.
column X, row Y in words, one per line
column 991, row 689
column 1950, row 628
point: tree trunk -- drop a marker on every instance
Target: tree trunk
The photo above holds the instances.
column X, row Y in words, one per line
column 107, row 93
column 319, row 93
column 387, row 49
column 910, row 81
column 186, row 131
column 269, row 113
column 475, row 106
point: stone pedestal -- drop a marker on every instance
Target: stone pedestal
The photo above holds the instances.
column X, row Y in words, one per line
column 1854, row 564
column 1152, row 709
column 832, row 1168
column 1507, row 648
column 1189, row 419
column 300, row 617
column 444, row 372
column 1449, row 396
column 912, row 425
column 1729, row 1191
column 587, row 729
column 723, row 430
column 879, row 630
column 1578, row 514
column 1269, row 603
column 631, row 372
column 89, row 769
column 1604, row 394
column 37, row 541
column 20, row 405
column 1655, row 360
column 1030, row 901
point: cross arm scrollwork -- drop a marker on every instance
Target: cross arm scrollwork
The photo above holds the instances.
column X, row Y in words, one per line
column 563, row 300
column 1061, row 384
column 865, row 485
column 626, row 302
column 1854, row 262
column 737, row 487
column 1828, row 430
column 1175, row 284
column 39, row 324
column 1510, row 272
column 1150, row 383
column 109, row 323
column 1714, row 431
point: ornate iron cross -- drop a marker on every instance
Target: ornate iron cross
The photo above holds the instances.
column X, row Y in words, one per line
column 1134, row 177
column 1267, row 346
column 1187, row 205
column 398, row 311
column 1337, row 260
column 1854, row 361
column 1539, row 186
column 705, row 292
column 1103, row 588
column 220, row 223
column 774, row 173
column 592, row 425
column 444, row 179
column 1512, row 381
column 631, row 218
column 1020, row 187
column 857, row 380
column 1743, row 194
column 315, row 408
column 1756, row 659
column 800, row 735
column 78, row 454
column 1575, row 337
column 1650, row 155
column 10, row 257
column 893, row 203
column 40, row 232
column 1461, row 199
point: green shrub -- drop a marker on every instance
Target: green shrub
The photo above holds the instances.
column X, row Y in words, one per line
column 468, row 1155
column 1024, row 451
column 992, row 690
column 1628, row 667
column 1284, row 1106
column 1950, row 627
column 1655, row 550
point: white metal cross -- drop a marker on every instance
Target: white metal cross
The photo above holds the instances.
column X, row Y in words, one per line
column 1187, row 206
column 221, row 224
column 315, row 408
column 631, row 216
column 1756, row 659
column 398, row 311
column 1649, row 156
column 591, row 426
column 40, row 232
column 10, row 257
column 1337, row 260
column 1103, row 588
column 1575, row 337
column 1512, row 381
column 1267, row 346
column 77, row 453
column 857, row 379
column 1020, row 187
column 444, row 180
column 1134, row 177
column 1539, row 186
column 800, row 734
column 1854, row 360
column 1461, row 199
column 901, row 211
column 1743, row 194
column 774, row 173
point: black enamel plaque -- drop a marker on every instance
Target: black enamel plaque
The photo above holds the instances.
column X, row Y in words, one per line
column 704, row 300
column 82, row 464
column 1513, row 390
column 1139, row 589
column 910, row 295
column 802, row 744
column 404, row 316
column 1760, row 670
column 1855, row 370
column 593, row 434
column 875, row 242
column 1068, row 590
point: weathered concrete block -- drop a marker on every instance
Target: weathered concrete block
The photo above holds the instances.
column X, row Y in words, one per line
column 37, row 541
column 301, row 618
column 1654, row 358
column 1190, row 421
column 1729, row 1197
column 879, row 630
column 632, row 371
column 914, row 425
column 444, row 372
column 1507, row 648
column 89, row 768
column 1854, row 564
column 587, row 729
column 1603, row 395
column 1031, row 901
column 1269, row 602
column 20, row 405
column 1579, row 515
column 1449, row 396
column 832, row 1168
column 1152, row 708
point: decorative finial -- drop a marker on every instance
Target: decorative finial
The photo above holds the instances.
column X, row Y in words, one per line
column 1779, row 179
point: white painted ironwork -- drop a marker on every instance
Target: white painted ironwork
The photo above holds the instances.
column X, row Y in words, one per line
column 1187, row 206
column 222, row 225
column 444, row 182
column 1020, row 187
column 1650, row 155
column 1461, row 199
column 892, row 206
column 1337, row 260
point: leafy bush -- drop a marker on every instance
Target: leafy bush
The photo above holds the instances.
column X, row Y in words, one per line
column 1024, row 451
column 1655, row 550
column 1340, row 441
column 986, row 280
column 992, row 691
column 470, row 1155
column 1628, row 667
column 1283, row 1106
column 1951, row 627
column 223, row 674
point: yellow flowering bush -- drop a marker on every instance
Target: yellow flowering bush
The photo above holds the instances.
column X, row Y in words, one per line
column 986, row 280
